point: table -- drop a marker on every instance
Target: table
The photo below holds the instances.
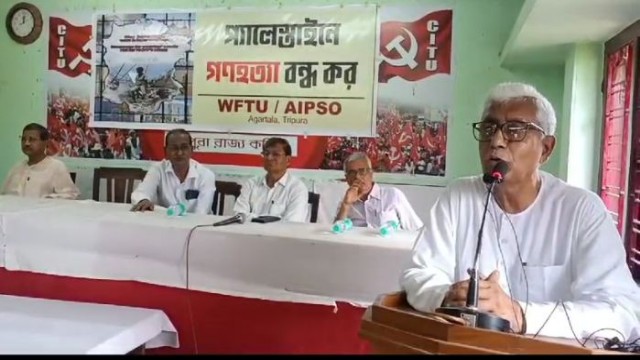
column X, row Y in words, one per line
column 278, row 274
column 40, row 326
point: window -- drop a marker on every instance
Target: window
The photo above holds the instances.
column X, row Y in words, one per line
column 620, row 173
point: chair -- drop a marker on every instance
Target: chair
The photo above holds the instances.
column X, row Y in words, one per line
column 73, row 176
column 314, row 201
column 224, row 188
column 120, row 183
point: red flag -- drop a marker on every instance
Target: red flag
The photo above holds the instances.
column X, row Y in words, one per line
column 69, row 48
column 416, row 50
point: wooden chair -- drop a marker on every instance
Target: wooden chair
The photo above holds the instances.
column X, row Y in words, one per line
column 314, row 201
column 120, row 183
column 224, row 188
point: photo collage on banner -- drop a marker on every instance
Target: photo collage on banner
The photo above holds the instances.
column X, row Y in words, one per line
column 147, row 81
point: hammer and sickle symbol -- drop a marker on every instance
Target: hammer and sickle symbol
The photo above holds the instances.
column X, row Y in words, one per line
column 407, row 57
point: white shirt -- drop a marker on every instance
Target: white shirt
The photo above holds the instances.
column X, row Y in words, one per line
column 287, row 199
column 572, row 250
column 384, row 204
column 162, row 187
column 49, row 178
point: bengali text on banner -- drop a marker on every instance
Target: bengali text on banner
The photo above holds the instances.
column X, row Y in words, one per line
column 306, row 71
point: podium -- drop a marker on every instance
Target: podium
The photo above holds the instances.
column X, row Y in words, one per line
column 392, row 326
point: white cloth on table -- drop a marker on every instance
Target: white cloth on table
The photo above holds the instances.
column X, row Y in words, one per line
column 42, row 326
column 297, row 262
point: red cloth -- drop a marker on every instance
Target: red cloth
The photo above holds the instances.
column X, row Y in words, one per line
column 223, row 324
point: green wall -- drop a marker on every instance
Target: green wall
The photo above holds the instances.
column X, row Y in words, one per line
column 582, row 116
column 481, row 29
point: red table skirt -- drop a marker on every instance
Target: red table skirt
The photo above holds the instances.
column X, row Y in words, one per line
column 220, row 324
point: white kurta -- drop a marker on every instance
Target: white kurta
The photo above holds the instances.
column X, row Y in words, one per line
column 571, row 253
column 287, row 199
column 385, row 203
column 162, row 187
column 49, row 178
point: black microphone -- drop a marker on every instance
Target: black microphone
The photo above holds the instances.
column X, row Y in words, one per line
column 237, row 219
column 470, row 312
column 495, row 176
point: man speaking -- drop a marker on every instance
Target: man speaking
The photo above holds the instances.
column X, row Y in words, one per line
column 551, row 262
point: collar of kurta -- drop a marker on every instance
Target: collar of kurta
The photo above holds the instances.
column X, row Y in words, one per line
column 192, row 173
column 375, row 192
column 282, row 181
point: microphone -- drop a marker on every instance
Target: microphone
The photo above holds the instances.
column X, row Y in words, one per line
column 470, row 311
column 497, row 174
column 238, row 218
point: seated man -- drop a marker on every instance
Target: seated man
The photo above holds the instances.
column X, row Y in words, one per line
column 552, row 262
column 177, row 179
column 39, row 175
column 278, row 193
column 368, row 204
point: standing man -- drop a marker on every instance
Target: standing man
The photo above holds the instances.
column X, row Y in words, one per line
column 278, row 193
column 177, row 179
column 552, row 262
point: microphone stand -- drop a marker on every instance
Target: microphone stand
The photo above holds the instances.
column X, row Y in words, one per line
column 470, row 311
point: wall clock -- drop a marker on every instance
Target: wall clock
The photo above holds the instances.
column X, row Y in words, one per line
column 24, row 23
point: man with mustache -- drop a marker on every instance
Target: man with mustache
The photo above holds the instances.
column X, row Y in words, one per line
column 552, row 261
column 368, row 204
column 39, row 175
column 278, row 192
column 177, row 179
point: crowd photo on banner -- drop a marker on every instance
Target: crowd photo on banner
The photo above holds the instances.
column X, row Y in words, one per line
column 411, row 114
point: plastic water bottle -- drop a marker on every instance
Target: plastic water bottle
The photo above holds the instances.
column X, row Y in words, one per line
column 177, row 210
column 342, row 226
column 389, row 227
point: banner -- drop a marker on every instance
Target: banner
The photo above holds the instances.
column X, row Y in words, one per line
column 69, row 87
column 142, row 69
column 236, row 144
column 295, row 71
column 415, row 95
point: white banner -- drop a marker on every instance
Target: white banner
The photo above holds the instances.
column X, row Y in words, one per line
column 235, row 143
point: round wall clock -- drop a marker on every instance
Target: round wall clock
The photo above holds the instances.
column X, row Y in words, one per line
column 24, row 23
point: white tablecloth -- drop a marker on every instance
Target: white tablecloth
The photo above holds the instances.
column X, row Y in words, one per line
column 39, row 326
column 276, row 261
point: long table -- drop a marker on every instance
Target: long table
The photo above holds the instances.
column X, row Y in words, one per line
column 279, row 287
column 37, row 326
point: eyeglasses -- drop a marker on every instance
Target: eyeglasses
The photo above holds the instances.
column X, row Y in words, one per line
column 511, row 130
column 361, row 172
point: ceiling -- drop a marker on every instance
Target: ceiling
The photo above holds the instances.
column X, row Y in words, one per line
column 545, row 28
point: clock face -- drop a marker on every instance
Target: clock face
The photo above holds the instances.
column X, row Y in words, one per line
column 22, row 22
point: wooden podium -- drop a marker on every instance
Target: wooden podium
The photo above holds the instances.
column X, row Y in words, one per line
column 393, row 327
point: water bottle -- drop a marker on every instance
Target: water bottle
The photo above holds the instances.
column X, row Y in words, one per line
column 177, row 210
column 342, row 226
column 389, row 227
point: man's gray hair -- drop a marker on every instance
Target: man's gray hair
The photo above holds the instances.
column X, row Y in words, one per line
column 510, row 91
column 359, row 155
